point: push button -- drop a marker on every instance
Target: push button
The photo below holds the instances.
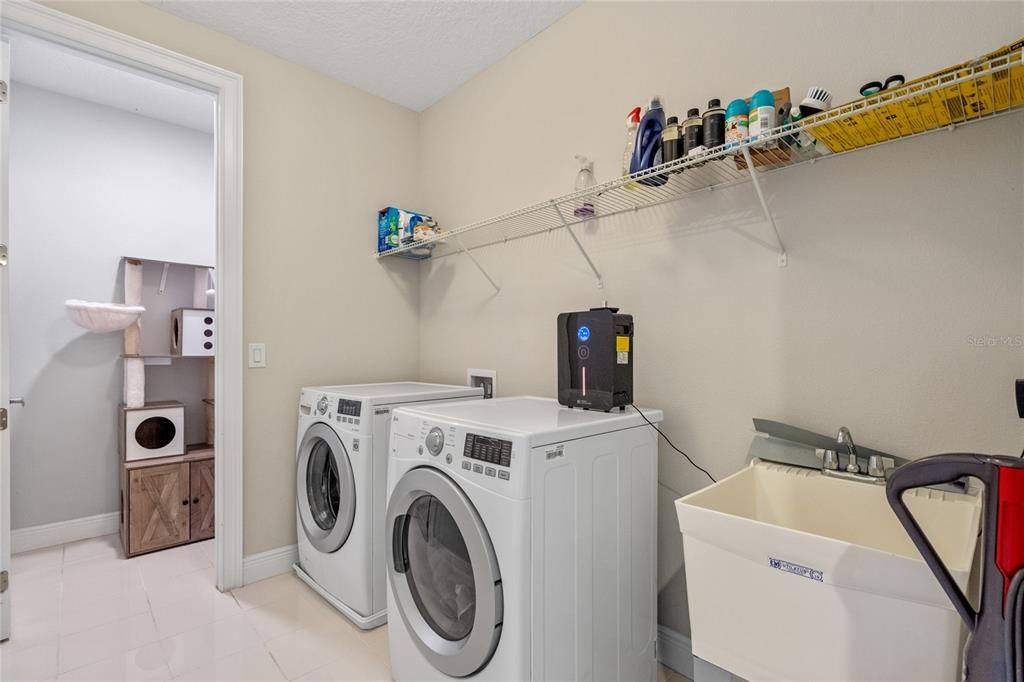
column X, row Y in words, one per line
column 490, row 471
column 503, row 475
column 478, row 468
column 468, row 466
column 583, row 352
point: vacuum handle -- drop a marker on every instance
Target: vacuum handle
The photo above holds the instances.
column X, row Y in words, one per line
column 936, row 471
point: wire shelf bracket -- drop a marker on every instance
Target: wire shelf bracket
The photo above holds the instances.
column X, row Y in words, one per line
column 783, row 257
column 462, row 249
column 579, row 245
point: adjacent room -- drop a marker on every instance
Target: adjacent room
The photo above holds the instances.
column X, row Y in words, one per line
column 476, row 340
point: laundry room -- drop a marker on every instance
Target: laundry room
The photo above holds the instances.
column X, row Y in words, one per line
column 477, row 340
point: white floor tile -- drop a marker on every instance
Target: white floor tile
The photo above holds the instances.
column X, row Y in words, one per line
column 209, row 643
column 206, row 607
column 269, row 590
column 78, row 615
column 83, row 612
column 47, row 557
column 105, row 641
column 23, row 665
column 107, row 547
column 181, row 587
column 301, row 652
column 253, row 664
column 170, row 563
column 144, row 663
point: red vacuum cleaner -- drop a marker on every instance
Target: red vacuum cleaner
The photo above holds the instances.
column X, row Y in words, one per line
column 995, row 650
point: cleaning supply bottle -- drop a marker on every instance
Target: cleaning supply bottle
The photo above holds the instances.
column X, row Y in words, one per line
column 672, row 140
column 584, row 180
column 762, row 116
column 647, row 150
column 714, row 124
column 632, row 123
column 736, row 123
column 693, row 133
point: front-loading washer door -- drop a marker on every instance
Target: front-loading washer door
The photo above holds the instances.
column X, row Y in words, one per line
column 325, row 488
column 444, row 573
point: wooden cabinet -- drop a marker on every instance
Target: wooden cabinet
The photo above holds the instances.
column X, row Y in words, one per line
column 201, row 477
column 166, row 502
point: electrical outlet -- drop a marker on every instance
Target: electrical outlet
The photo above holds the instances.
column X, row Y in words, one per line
column 488, row 378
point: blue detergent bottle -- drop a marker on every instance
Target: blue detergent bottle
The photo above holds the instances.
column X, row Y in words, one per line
column 647, row 150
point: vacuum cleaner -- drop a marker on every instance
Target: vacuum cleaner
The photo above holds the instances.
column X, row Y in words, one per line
column 995, row 649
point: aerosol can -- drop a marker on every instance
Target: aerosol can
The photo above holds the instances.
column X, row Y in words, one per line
column 995, row 650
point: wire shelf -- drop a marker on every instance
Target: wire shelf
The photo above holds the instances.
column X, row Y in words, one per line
column 985, row 89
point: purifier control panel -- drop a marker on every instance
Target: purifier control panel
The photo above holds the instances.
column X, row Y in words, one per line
column 349, row 408
column 490, row 450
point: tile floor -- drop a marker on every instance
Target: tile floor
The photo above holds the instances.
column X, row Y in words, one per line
column 82, row 612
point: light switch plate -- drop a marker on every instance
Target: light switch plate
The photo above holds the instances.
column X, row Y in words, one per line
column 257, row 355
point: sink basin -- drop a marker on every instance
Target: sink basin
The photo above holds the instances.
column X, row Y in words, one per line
column 792, row 575
column 103, row 317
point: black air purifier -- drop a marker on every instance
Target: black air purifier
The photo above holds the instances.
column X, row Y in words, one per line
column 595, row 359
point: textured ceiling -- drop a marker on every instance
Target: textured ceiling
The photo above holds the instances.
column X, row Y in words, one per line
column 411, row 53
column 76, row 74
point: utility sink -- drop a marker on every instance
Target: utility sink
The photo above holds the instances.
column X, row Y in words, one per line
column 793, row 575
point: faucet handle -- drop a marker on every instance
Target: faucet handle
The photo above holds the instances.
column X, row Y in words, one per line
column 830, row 460
column 879, row 466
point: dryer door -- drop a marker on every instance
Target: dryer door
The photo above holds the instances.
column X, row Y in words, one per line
column 443, row 571
column 325, row 488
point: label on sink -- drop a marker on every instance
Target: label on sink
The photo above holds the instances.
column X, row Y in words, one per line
column 796, row 569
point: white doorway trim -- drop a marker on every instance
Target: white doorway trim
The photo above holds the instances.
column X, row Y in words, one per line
column 49, row 24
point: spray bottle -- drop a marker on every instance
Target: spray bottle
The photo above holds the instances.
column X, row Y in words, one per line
column 647, row 150
column 632, row 123
column 584, row 180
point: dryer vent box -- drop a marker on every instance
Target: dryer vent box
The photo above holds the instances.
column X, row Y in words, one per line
column 192, row 332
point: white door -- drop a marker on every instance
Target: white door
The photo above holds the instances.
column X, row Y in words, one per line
column 5, row 376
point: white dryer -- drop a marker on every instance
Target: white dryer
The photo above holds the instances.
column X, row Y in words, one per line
column 522, row 542
column 341, row 460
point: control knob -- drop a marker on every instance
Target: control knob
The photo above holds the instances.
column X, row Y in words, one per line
column 321, row 405
column 435, row 441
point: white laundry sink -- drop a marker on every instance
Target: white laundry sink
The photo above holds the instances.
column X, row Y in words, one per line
column 103, row 317
column 793, row 575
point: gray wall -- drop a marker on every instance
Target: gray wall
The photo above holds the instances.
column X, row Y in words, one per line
column 89, row 184
column 897, row 256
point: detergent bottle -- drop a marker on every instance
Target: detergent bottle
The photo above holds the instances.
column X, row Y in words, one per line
column 632, row 123
column 647, row 149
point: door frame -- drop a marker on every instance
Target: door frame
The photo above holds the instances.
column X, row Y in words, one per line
column 28, row 17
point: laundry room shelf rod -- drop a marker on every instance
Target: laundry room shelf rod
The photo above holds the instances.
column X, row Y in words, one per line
column 986, row 89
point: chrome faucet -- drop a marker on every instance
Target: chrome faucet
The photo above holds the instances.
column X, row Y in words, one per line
column 845, row 440
column 878, row 465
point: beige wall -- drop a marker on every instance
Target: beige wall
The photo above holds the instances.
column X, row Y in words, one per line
column 320, row 159
column 897, row 255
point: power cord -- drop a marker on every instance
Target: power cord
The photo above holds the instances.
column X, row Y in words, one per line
column 671, row 445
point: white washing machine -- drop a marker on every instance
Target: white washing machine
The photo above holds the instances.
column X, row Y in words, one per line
column 522, row 542
column 341, row 459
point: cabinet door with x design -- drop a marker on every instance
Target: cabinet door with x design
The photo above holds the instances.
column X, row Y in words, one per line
column 159, row 507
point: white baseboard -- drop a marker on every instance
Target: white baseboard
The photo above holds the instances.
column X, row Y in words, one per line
column 256, row 567
column 51, row 534
column 675, row 651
